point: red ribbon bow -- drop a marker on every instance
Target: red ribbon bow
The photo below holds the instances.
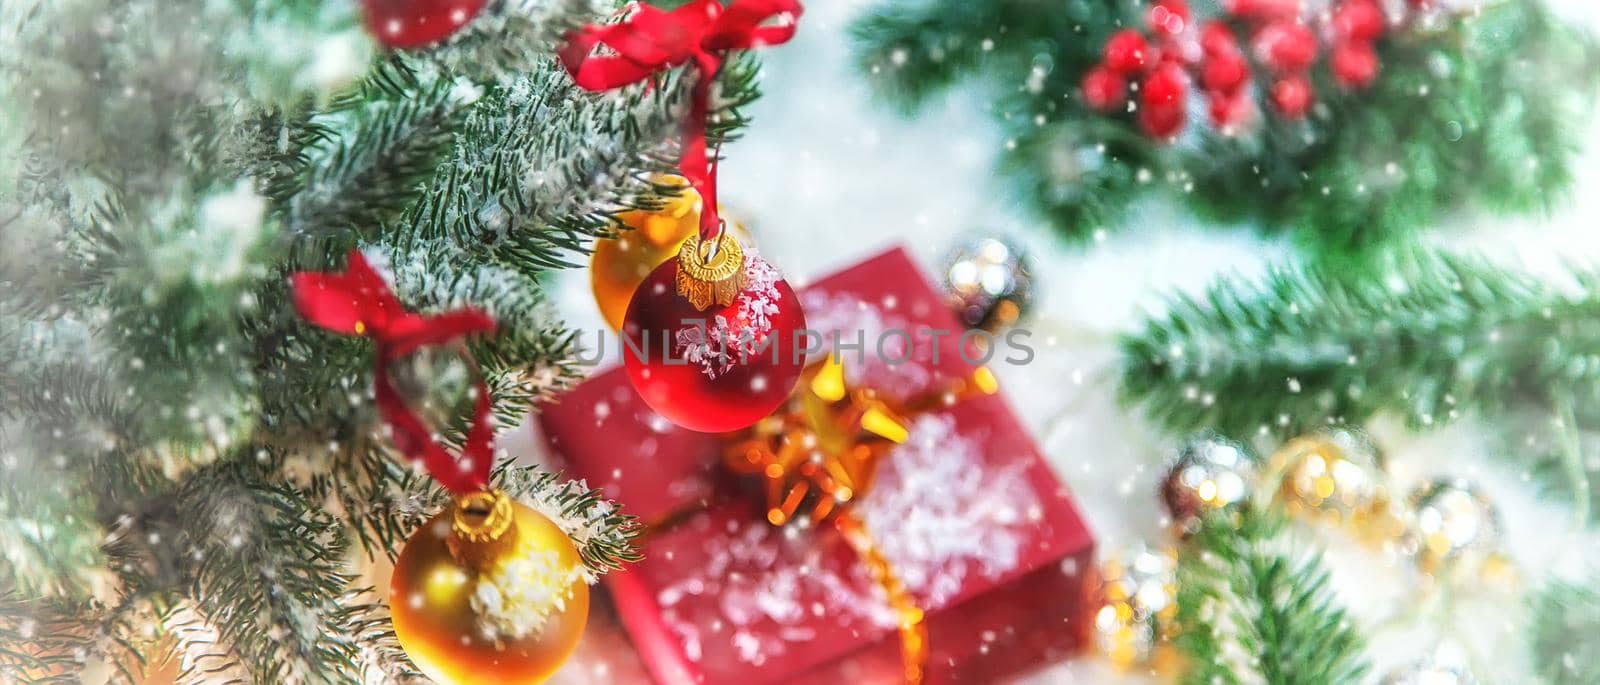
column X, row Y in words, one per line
column 651, row 39
column 359, row 302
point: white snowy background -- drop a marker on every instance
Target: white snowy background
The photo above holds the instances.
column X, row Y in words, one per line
column 827, row 176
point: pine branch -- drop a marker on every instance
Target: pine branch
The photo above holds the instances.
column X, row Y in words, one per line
column 529, row 356
column 912, row 52
column 64, row 430
column 1431, row 338
column 36, row 644
column 510, row 38
column 604, row 535
column 1487, row 114
column 179, row 100
column 270, row 577
column 173, row 292
column 380, row 657
column 181, row 429
column 33, row 259
column 203, row 657
column 51, row 642
column 523, row 189
column 1565, row 644
column 1251, row 609
column 1557, row 451
column 49, row 550
column 379, row 499
column 355, row 182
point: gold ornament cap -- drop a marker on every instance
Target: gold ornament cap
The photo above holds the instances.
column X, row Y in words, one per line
column 483, row 528
column 710, row 272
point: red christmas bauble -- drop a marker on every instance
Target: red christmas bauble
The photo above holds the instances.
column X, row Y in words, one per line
column 1359, row 20
column 1286, row 46
column 1126, row 52
column 400, row 24
column 1104, row 89
column 1292, row 96
column 722, row 368
column 1355, row 64
column 1225, row 73
column 1168, row 17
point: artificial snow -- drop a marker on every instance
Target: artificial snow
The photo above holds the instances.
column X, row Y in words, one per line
column 936, row 513
column 515, row 597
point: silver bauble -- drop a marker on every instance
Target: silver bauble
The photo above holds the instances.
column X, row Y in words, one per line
column 1211, row 473
column 1452, row 526
column 989, row 282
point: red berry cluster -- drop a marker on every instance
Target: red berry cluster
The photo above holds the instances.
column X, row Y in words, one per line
column 1178, row 52
column 1163, row 68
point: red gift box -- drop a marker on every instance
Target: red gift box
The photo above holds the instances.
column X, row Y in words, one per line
column 967, row 512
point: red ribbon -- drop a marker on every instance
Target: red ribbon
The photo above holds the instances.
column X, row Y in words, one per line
column 651, row 39
column 359, row 302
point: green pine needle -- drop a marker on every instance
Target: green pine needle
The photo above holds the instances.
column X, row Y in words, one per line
column 1251, row 609
column 1565, row 645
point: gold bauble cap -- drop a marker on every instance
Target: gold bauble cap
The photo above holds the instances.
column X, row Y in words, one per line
column 483, row 528
column 710, row 272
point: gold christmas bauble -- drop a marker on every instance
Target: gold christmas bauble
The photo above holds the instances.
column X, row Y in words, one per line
column 1334, row 476
column 1211, row 474
column 620, row 264
column 488, row 591
column 1138, row 597
column 1452, row 526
